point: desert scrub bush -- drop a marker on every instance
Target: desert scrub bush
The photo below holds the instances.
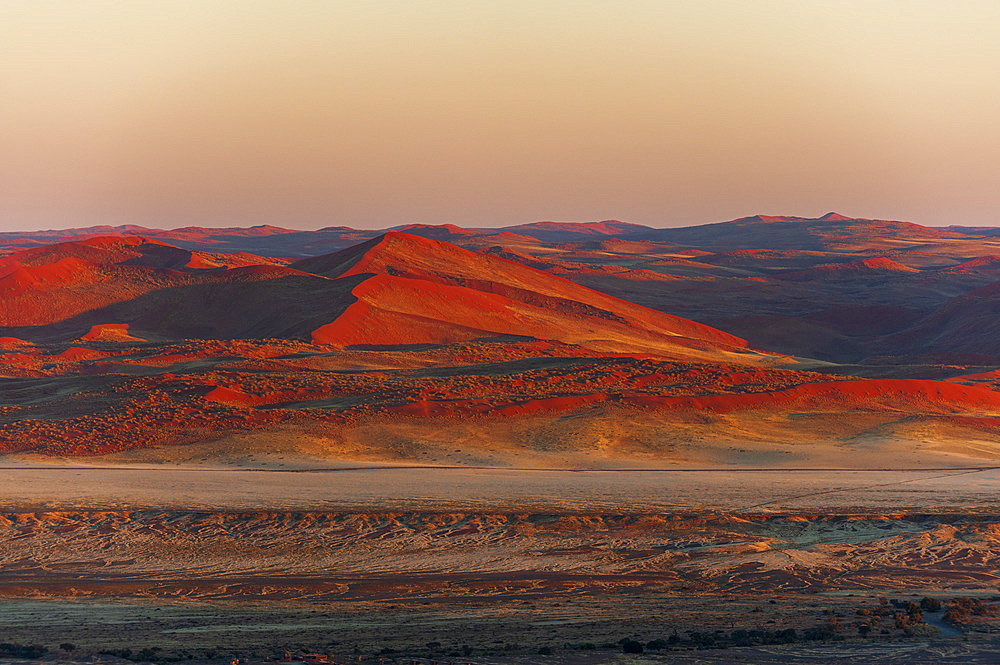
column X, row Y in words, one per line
column 960, row 610
column 631, row 646
column 22, row 650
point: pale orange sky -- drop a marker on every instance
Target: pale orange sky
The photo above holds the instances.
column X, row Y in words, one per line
column 370, row 114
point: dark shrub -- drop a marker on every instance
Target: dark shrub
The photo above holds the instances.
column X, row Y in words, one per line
column 701, row 639
column 786, row 636
column 929, row 604
column 22, row 650
column 631, row 646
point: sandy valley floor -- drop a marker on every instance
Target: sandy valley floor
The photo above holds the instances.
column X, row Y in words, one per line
column 210, row 562
column 367, row 487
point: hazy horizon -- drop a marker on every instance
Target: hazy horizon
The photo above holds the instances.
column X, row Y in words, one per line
column 378, row 114
column 468, row 226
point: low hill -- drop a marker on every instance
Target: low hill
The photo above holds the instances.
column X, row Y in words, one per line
column 831, row 231
column 966, row 324
column 863, row 269
column 159, row 291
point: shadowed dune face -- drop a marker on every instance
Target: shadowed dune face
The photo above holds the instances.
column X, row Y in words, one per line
column 223, row 305
column 64, row 290
column 787, row 285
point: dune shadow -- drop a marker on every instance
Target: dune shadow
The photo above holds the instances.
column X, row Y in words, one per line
column 287, row 307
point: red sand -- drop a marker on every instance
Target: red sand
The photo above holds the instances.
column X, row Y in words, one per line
column 426, row 291
column 110, row 332
column 77, row 353
column 863, row 394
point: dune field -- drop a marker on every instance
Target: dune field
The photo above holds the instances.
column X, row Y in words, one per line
column 743, row 441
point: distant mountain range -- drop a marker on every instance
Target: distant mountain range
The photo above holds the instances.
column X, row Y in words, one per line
column 757, row 231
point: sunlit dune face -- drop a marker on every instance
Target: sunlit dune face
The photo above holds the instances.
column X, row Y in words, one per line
column 373, row 114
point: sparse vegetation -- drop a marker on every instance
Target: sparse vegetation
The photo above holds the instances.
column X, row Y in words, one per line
column 965, row 610
column 929, row 604
column 22, row 650
column 631, row 646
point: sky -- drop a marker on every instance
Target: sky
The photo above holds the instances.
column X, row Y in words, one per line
column 308, row 114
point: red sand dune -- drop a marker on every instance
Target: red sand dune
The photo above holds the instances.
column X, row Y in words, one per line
column 80, row 255
column 559, row 267
column 862, row 394
column 98, row 250
column 425, row 291
column 834, row 217
column 236, row 396
column 77, row 353
column 622, row 246
column 880, row 265
column 635, row 275
column 903, row 395
column 16, row 277
column 437, row 231
column 875, row 264
column 507, row 236
column 224, row 395
column 989, row 261
column 44, row 285
column 200, row 262
column 990, row 377
column 605, row 228
column 152, row 287
column 110, row 332
column 747, row 252
column 484, row 407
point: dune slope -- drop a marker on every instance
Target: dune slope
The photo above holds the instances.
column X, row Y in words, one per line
column 418, row 290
